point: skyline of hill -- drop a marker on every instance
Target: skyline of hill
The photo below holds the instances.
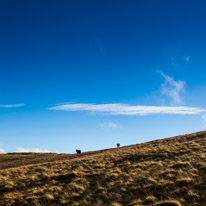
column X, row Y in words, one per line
column 164, row 172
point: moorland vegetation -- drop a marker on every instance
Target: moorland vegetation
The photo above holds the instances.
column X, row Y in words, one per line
column 167, row 172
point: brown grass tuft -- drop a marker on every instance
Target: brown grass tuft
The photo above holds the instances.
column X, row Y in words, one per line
column 168, row 203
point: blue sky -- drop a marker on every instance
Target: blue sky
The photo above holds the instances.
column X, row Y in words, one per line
column 89, row 74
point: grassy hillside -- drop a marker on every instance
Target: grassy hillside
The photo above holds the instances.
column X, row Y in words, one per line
column 168, row 172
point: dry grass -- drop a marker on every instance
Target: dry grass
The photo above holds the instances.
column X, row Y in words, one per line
column 168, row 172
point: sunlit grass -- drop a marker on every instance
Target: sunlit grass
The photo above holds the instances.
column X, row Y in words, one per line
column 168, row 172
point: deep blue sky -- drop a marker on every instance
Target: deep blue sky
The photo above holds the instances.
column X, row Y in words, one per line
column 149, row 53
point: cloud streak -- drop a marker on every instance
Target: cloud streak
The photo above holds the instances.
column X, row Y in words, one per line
column 173, row 89
column 125, row 109
column 11, row 106
column 20, row 149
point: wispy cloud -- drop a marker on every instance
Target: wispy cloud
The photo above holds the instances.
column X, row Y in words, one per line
column 108, row 125
column 11, row 105
column 175, row 62
column 20, row 149
column 175, row 65
column 204, row 120
column 2, row 151
column 99, row 46
column 173, row 89
column 187, row 59
column 124, row 109
column 179, row 61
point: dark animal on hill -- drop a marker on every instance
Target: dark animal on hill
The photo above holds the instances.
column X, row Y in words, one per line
column 118, row 144
column 78, row 151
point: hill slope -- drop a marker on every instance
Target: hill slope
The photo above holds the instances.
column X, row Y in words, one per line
column 167, row 172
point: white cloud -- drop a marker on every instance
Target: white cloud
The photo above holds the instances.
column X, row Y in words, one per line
column 20, row 149
column 108, row 125
column 2, row 150
column 11, row 106
column 173, row 89
column 124, row 109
